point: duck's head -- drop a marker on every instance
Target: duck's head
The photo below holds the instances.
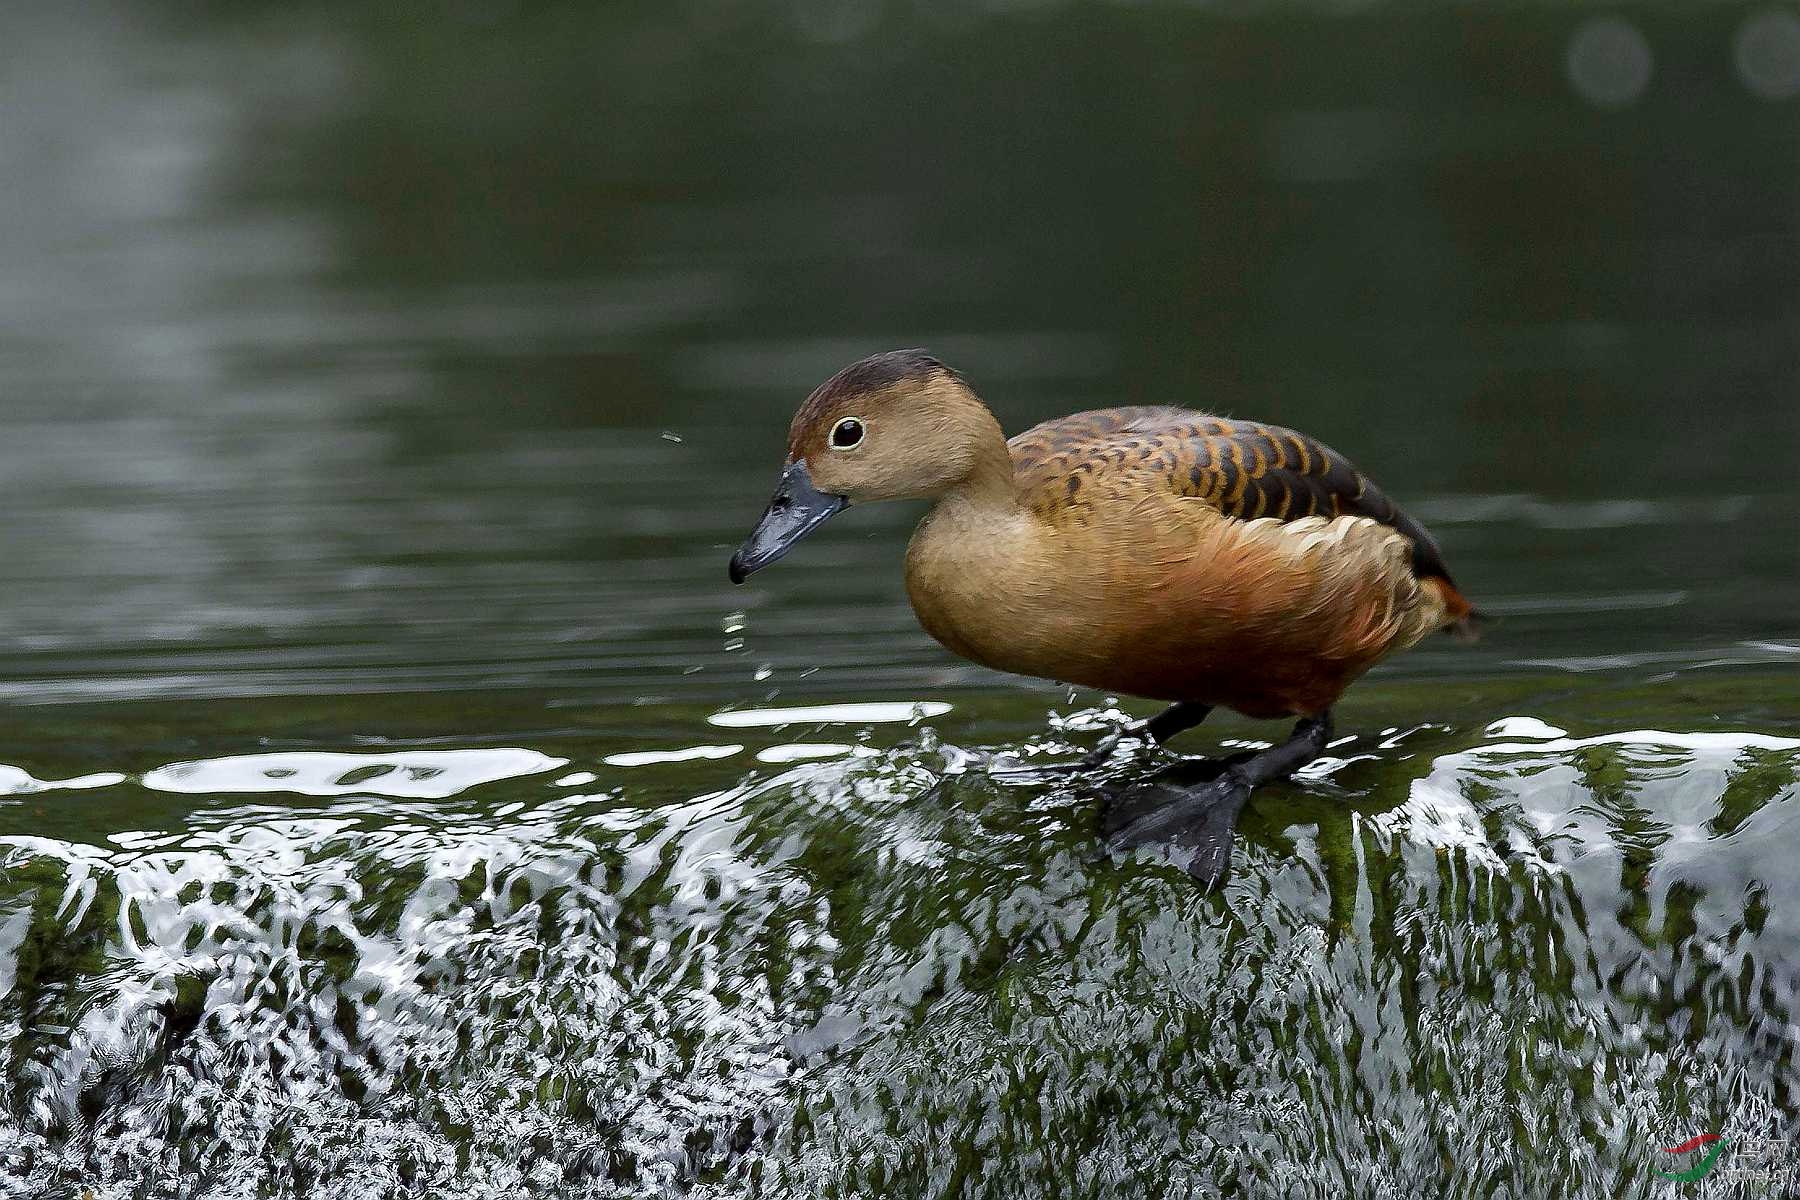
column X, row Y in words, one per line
column 896, row 426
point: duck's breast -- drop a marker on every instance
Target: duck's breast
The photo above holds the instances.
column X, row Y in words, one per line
column 996, row 585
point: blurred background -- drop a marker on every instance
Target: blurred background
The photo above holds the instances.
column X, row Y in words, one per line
column 454, row 349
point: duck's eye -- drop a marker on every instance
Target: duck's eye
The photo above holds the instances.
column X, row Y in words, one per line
column 847, row 433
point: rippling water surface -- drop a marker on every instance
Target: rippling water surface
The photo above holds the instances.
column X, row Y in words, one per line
column 1453, row 959
column 395, row 799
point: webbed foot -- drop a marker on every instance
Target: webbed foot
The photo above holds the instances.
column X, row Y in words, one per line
column 1189, row 808
column 1193, row 806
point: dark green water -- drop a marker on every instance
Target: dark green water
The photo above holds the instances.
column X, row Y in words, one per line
column 396, row 799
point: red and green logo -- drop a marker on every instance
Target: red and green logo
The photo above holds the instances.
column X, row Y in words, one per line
column 1704, row 1167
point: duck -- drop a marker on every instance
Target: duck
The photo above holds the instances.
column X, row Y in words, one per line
column 1150, row 551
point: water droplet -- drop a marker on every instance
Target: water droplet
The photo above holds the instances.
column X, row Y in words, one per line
column 733, row 622
column 671, row 437
column 763, row 672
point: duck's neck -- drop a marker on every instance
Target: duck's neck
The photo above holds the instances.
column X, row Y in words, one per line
column 967, row 550
column 989, row 486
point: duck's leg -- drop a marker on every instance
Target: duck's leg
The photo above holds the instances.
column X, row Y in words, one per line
column 1194, row 806
column 1179, row 717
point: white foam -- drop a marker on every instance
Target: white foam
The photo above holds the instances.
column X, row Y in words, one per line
column 645, row 758
column 412, row 774
column 809, row 751
column 1524, row 727
column 830, row 714
column 16, row 782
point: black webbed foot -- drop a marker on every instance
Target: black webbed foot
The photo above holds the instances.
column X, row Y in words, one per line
column 1192, row 808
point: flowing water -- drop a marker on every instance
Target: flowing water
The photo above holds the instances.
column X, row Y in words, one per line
column 396, row 799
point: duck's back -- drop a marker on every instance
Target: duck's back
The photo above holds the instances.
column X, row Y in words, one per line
column 1246, row 470
column 1223, row 561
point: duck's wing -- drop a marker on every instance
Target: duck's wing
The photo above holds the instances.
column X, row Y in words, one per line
column 1243, row 469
